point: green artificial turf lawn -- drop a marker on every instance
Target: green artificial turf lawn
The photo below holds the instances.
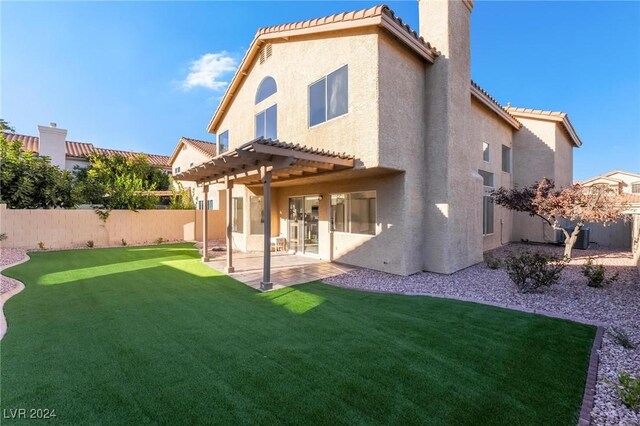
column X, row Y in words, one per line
column 150, row 335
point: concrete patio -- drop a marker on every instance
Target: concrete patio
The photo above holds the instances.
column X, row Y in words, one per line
column 286, row 269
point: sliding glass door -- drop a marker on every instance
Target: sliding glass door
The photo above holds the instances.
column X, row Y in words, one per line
column 303, row 224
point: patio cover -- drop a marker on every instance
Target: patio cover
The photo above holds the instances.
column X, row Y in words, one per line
column 260, row 161
column 284, row 160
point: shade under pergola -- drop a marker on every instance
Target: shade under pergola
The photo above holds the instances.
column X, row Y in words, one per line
column 260, row 161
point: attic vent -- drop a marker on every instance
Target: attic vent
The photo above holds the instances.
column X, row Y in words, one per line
column 265, row 53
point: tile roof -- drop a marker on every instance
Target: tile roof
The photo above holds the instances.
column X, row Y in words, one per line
column 208, row 149
column 378, row 16
column 493, row 104
column 356, row 15
column 83, row 149
column 558, row 116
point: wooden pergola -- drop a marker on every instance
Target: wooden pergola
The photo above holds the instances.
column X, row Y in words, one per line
column 260, row 161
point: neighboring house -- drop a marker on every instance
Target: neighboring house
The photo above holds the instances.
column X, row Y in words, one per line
column 620, row 181
column 374, row 146
column 52, row 142
column 189, row 153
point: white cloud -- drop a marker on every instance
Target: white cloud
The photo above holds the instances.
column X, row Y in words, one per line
column 209, row 71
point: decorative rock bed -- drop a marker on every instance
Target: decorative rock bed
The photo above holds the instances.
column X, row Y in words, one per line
column 9, row 256
column 617, row 306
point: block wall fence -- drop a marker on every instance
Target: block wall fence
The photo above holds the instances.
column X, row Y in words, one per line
column 60, row 228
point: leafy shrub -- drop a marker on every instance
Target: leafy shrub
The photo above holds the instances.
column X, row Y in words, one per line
column 3, row 236
column 90, row 243
column 160, row 240
column 123, row 242
column 492, row 261
column 531, row 271
column 41, row 246
column 629, row 390
column 596, row 274
column 622, row 338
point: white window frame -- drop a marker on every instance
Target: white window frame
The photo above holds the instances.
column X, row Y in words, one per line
column 510, row 159
column 218, row 141
column 487, row 189
column 637, row 184
column 234, row 215
column 488, row 152
column 264, row 111
column 348, row 213
column 326, row 106
column 176, row 170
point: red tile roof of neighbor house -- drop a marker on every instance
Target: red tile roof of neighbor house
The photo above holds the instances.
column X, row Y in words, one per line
column 208, row 149
column 84, row 149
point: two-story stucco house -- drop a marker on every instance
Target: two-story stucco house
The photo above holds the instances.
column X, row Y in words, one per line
column 366, row 144
column 188, row 153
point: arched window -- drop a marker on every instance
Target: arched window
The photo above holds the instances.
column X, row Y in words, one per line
column 267, row 88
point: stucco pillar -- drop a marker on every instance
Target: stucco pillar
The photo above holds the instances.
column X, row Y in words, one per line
column 205, row 224
column 266, row 283
column 453, row 187
column 229, row 193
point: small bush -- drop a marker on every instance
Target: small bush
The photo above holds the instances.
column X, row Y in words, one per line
column 3, row 236
column 531, row 271
column 160, row 240
column 492, row 261
column 622, row 338
column 90, row 244
column 41, row 246
column 629, row 390
column 123, row 242
column 596, row 274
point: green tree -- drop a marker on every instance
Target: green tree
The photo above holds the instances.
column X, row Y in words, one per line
column 5, row 127
column 116, row 182
column 28, row 181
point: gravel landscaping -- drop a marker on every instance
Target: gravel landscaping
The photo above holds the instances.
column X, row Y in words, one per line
column 617, row 306
column 7, row 257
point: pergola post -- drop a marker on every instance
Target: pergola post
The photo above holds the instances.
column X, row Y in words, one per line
column 265, row 177
column 205, row 224
column 229, row 186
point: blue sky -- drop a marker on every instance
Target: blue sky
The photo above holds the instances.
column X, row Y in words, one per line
column 138, row 75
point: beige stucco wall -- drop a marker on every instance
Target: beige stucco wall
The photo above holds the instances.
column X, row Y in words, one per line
column 452, row 226
column 385, row 251
column 58, row 228
column 299, row 62
column 488, row 128
column 184, row 159
column 541, row 150
column 402, row 134
column 563, row 173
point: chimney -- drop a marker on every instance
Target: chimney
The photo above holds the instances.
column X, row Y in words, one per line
column 453, row 219
column 53, row 144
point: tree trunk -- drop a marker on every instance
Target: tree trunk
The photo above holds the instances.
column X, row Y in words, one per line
column 570, row 242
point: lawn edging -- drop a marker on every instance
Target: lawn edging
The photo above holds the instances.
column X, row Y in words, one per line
column 588, row 398
column 6, row 296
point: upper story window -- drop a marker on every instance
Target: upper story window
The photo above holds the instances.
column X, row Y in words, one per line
column 266, row 88
column 635, row 188
column 486, row 152
column 506, row 159
column 487, row 179
column 223, row 141
column 176, row 170
column 328, row 97
column 267, row 123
